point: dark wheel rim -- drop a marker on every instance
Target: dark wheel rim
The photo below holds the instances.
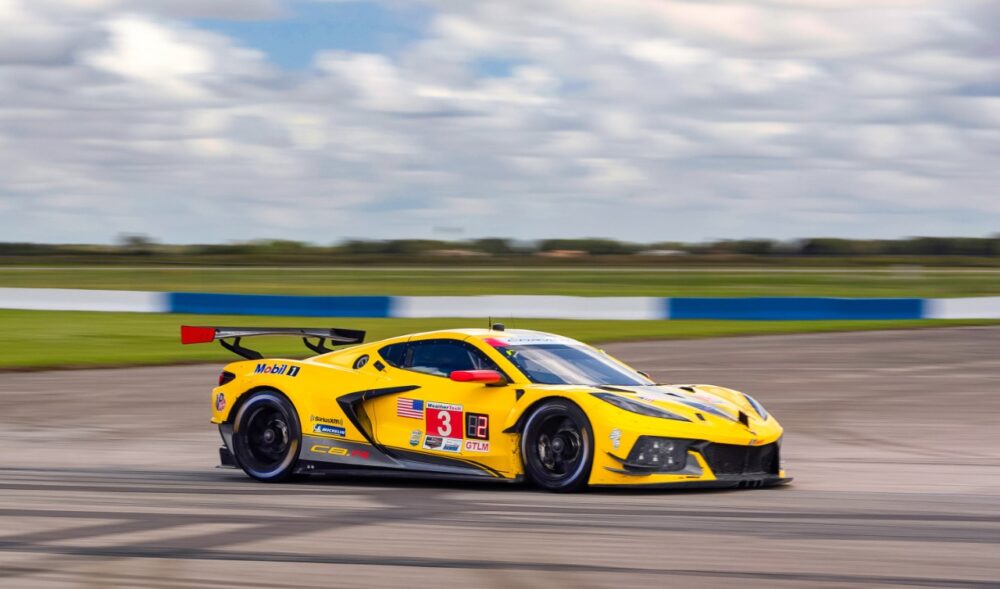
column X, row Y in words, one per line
column 268, row 437
column 559, row 447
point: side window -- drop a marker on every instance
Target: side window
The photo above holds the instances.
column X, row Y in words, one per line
column 442, row 357
column 394, row 354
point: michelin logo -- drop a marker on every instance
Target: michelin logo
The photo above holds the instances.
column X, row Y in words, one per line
column 319, row 428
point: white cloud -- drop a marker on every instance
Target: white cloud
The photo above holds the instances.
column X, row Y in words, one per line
column 640, row 119
column 146, row 52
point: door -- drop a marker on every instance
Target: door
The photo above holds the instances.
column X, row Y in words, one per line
column 441, row 417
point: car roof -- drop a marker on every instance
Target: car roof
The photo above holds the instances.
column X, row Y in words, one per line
column 481, row 334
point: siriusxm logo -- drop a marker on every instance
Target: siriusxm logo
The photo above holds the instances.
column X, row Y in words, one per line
column 319, row 428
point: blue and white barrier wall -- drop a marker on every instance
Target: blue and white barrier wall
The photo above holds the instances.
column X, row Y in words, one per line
column 521, row 306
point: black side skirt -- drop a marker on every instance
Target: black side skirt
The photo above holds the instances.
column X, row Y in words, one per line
column 313, row 467
column 743, row 482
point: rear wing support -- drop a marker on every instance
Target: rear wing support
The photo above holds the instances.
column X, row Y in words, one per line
column 236, row 348
column 193, row 334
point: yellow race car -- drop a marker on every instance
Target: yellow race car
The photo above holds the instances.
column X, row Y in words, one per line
column 484, row 404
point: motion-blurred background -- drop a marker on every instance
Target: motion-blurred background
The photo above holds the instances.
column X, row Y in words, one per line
column 854, row 142
column 692, row 169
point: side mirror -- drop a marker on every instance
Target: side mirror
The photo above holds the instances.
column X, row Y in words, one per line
column 483, row 376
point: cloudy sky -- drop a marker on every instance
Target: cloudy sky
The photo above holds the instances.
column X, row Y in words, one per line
column 220, row 120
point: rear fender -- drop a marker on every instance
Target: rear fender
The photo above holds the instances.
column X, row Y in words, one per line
column 242, row 398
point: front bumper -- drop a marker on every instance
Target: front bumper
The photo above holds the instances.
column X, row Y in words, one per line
column 705, row 464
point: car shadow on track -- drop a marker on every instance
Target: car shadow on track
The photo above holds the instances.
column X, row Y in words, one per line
column 334, row 480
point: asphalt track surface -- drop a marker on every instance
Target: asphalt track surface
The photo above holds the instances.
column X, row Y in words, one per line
column 107, row 479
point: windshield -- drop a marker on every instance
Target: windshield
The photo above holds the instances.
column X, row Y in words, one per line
column 565, row 363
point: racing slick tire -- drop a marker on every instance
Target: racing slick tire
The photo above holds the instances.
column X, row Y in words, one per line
column 267, row 437
column 557, row 446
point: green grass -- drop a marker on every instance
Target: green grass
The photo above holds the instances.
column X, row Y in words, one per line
column 38, row 339
column 50, row 339
column 884, row 282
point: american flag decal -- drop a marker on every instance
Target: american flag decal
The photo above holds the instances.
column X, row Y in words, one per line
column 410, row 408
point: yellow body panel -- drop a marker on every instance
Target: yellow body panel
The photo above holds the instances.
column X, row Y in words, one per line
column 315, row 385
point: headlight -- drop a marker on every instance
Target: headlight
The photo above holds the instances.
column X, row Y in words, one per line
column 757, row 407
column 663, row 454
column 638, row 407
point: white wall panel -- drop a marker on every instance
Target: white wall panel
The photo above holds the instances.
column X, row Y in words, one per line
column 968, row 308
column 530, row 306
column 66, row 299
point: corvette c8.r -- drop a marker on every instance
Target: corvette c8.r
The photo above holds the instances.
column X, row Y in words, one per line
column 487, row 404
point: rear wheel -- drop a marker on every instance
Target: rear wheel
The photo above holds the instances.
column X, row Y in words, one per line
column 557, row 446
column 267, row 437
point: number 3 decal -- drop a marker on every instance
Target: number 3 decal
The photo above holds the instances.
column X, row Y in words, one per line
column 443, row 420
column 444, row 430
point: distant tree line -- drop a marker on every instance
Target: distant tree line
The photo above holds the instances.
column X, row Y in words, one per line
column 133, row 247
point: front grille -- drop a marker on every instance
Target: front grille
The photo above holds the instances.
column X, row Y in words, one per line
column 730, row 459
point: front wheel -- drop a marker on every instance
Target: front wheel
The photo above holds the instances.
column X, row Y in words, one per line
column 557, row 446
column 266, row 437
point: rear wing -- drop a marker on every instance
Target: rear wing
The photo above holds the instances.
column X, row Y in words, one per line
column 193, row 334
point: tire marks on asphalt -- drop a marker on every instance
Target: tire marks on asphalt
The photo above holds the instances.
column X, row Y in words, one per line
column 870, row 506
column 489, row 565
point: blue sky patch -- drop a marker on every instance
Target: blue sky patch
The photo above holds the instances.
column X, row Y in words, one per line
column 311, row 27
column 495, row 67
